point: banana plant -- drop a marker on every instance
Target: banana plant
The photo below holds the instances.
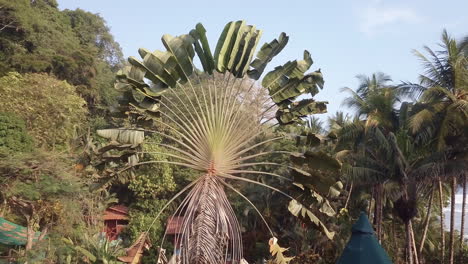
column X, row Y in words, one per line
column 203, row 113
column 122, row 150
column 316, row 176
column 97, row 249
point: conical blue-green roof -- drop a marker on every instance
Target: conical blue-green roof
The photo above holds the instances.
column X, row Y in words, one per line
column 363, row 247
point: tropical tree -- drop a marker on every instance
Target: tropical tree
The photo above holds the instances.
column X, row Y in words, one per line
column 39, row 187
column 51, row 109
column 206, row 118
column 374, row 100
column 443, row 91
column 386, row 153
column 85, row 54
column 97, row 249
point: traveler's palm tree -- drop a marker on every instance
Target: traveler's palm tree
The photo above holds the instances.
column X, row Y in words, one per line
column 205, row 116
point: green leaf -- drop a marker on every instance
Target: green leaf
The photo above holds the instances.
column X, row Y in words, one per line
column 182, row 50
column 130, row 77
column 297, row 208
column 317, row 171
column 250, row 43
column 286, row 83
column 236, row 48
column 85, row 252
column 203, row 50
column 224, row 45
column 123, row 136
column 160, row 68
column 297, row 110
column 267, row 52
column 308, row 139
column 236, row 40
column 67, row 241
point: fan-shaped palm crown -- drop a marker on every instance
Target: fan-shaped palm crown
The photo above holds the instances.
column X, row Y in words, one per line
column 205, row 114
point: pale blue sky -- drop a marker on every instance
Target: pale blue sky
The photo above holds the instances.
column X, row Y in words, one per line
column 345, row 38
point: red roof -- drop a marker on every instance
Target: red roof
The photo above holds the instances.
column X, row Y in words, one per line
column 116, row 212
column 174, row 225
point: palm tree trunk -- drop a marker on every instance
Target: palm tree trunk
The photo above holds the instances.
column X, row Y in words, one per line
column 395, row 243
column 452, row 220
column 462, row 226
column 376, row 205
column 413, row 243
column 377, row 210
column 426, row 222
column 370, row 203
column 442, row 231
column 409, row 246
column 380, row 212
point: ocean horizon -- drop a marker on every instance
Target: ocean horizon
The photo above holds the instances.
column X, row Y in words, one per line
column 458, row 214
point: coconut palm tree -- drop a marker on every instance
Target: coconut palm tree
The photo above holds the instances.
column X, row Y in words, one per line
column 405, row 167
column 443, row 93
column 338, row 120
column 374, row 101
column 381, row 140
column 205, row 117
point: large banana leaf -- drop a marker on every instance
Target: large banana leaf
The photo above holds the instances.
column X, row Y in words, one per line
column 235, row 50
column 236, row 47
column 203, row 48
column 316, row 170
column 297, row 209
column 123, row 136
column 317, row 174
column 292, row 112
column 285, row 83
column 266, row 54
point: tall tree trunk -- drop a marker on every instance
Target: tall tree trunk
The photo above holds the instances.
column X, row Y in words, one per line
column 382, row 200
column 409, row 244
column 370, row 203
column 378, row 205
column 442, row 230
column 29, row 233
column 452, row 220
column 376, row 208
column 426, row 222
column 4, row 207
column 413, row 243
column 395, row 243
column 462, row 226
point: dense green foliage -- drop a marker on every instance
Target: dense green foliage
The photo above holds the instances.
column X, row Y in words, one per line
column 75, row 46
column 14, row 136
column 399, row 162
column 52, row 110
